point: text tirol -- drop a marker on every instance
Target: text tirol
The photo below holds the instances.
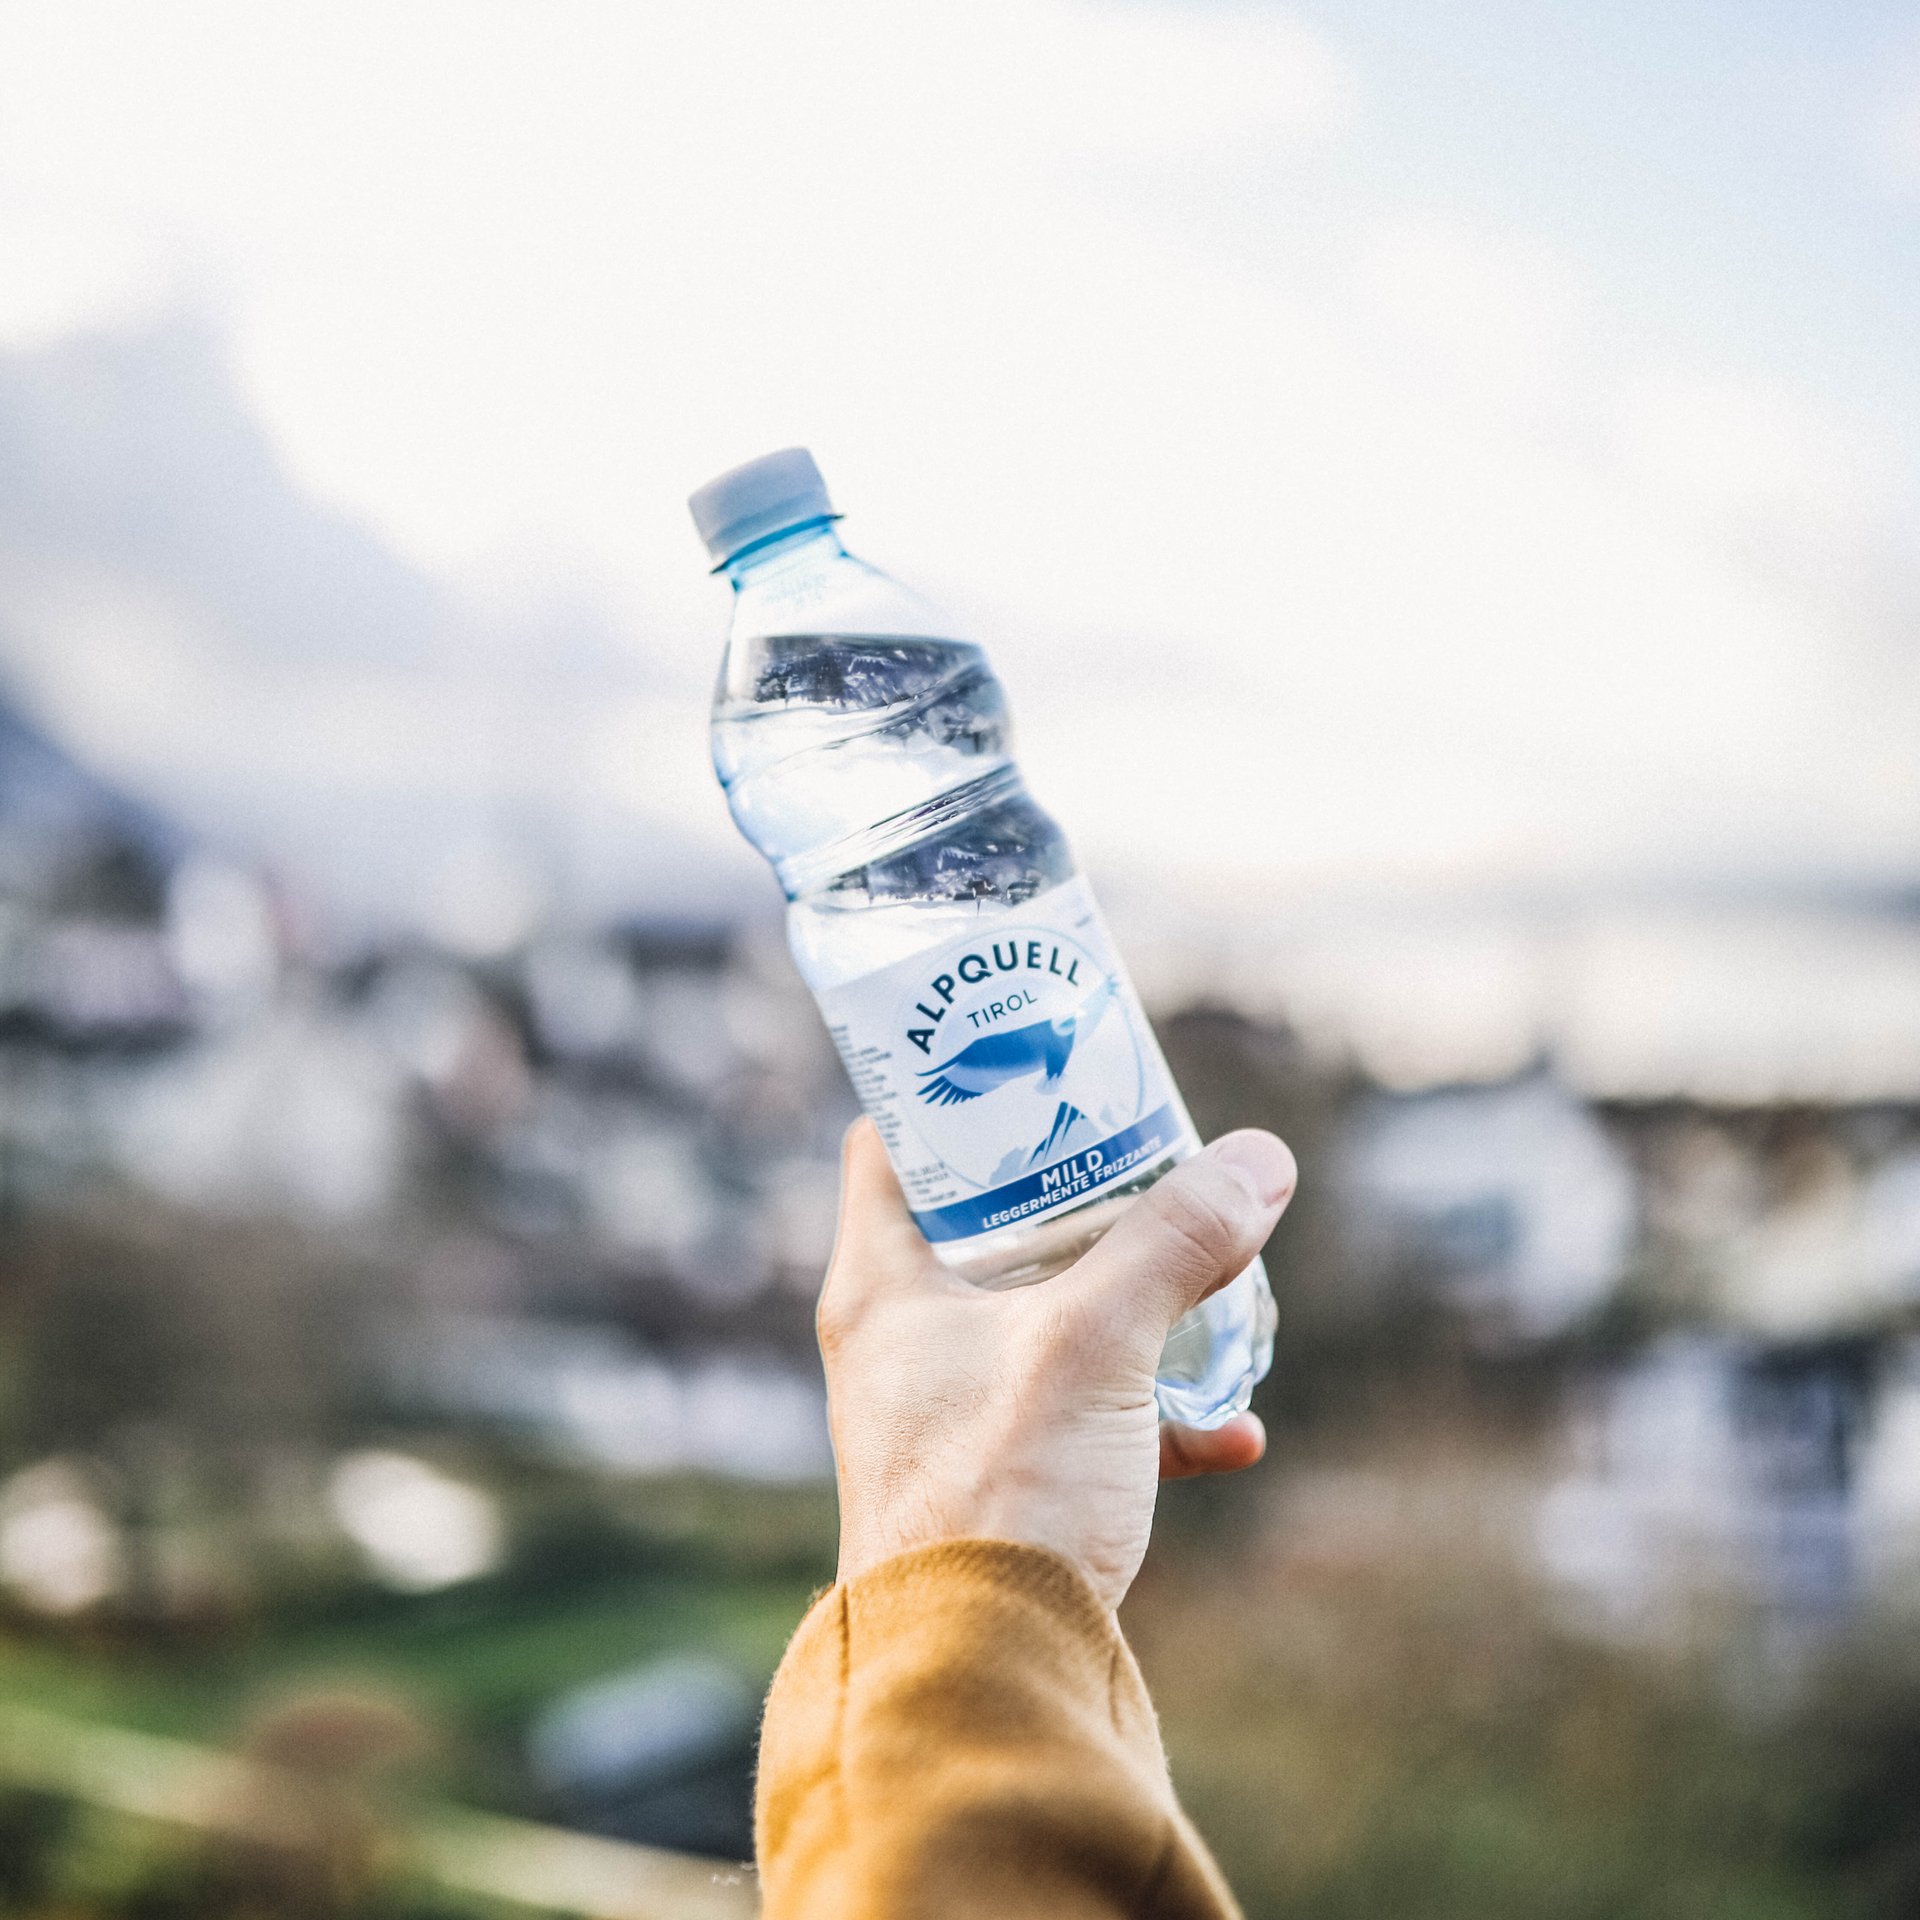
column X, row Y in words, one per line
column 974, row 969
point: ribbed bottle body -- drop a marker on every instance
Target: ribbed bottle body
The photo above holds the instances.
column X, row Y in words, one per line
column 936, row 911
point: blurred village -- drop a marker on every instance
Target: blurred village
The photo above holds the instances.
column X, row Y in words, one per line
column 408, row 1362
column 1440, row 485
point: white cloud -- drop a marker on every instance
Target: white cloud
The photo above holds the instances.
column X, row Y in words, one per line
column 65, row 267
column 604, row 244
column 1147, row 81
column 1492, row 309
column 1737, row 448
column 504, row 280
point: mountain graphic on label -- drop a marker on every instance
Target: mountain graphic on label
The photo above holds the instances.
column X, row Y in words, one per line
column 1044, row 1048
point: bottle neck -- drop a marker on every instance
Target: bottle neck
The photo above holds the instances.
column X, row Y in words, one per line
column 804, row 581
column 810, row 544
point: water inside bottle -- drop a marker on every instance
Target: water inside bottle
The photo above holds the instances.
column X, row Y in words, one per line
column 834, row 733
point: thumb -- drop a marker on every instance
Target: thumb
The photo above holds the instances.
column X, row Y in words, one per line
column 1192, row 1232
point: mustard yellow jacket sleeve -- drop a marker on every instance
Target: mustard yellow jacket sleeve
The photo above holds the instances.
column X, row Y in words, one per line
column 961, row 1731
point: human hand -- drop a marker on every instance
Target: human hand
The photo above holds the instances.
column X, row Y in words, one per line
column 1028, row 1415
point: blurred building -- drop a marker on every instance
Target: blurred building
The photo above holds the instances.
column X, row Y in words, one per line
column 586, row 1165
column 574, row 1189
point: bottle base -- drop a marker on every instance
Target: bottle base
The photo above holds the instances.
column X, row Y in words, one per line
column 1217, row 1354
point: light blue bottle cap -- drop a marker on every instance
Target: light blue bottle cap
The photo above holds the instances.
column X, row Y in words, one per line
column 754, row 502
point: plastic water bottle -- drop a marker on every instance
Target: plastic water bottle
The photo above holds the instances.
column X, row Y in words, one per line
column 936, row 912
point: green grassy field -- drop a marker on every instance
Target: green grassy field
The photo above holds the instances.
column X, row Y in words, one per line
column 600, row 1581
column 440, row 1690
column 1401, row 1728
column 484, row 1658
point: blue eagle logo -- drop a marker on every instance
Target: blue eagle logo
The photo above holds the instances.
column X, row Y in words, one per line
column 1045, row 1048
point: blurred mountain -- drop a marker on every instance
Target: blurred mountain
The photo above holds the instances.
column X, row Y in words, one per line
column 232, row 650
column 132, row 457
column 70, row 840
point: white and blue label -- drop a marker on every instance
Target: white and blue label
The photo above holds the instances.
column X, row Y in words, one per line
column 1011, row 1072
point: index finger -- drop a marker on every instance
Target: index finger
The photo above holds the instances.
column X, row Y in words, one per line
column 1186, row 1451
column 876, row 1235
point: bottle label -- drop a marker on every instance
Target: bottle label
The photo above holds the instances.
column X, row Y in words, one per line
column 1011, row 1072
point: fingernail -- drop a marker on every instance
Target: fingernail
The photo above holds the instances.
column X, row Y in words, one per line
column 1261, row 1161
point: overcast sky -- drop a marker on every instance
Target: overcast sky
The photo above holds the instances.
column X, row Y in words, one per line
column 1469, row 444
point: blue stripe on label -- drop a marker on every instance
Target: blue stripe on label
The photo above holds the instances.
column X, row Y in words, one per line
column 1080, row 1174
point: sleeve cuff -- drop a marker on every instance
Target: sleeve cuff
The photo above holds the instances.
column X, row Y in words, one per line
column 963, row 1715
